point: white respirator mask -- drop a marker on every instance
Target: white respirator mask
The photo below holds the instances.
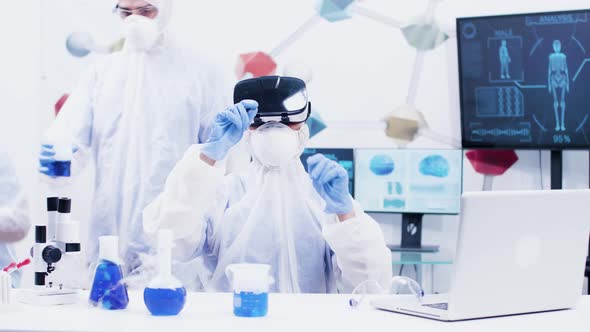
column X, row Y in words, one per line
column 141, row 33
column 275, row 144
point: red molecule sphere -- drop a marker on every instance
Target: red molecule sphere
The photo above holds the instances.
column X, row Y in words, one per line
column 256, row 64
column 60, row 103
column 492, row 162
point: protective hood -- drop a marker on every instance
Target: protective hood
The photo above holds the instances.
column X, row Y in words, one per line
column 143, row 34
column 279, row 210
column 164, row 13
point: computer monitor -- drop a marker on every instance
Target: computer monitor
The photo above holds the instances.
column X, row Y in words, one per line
column 345, row 157
column 410, row 182
column 524, row 80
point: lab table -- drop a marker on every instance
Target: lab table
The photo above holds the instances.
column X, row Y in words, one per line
column 287, row 312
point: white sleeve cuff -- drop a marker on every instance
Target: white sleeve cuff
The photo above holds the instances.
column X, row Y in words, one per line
column 189, row 191
column 360, row 251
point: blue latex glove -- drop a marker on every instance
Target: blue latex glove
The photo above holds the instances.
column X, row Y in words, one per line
column 228, row 128
column 330, row 180
column 47, row 157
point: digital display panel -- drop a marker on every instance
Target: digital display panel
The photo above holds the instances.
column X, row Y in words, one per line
column 524, row 80
column 409, row 181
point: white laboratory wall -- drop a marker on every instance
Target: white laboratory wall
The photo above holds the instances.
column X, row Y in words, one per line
column 361, row 71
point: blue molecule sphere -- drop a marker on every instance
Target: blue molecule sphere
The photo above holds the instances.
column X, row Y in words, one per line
column 382, row 165
column 76, row 44
column 435, row 165
column 334, row 10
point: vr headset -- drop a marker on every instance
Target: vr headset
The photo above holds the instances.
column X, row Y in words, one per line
column 280, row 99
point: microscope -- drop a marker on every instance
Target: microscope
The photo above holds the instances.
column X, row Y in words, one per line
column 55, row 243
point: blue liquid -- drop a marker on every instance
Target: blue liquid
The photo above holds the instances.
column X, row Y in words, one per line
column 107, row 288
column 247, row 304
column 62, row 168
column 164, row 302
column 58, row 168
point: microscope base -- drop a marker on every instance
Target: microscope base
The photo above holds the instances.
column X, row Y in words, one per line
column 48, row 297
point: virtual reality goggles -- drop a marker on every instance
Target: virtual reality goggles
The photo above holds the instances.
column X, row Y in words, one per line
column 280, row 99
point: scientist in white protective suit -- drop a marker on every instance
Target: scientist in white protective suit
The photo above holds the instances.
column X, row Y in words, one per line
column 306, row 226
column 135, row 113
column 14, row 218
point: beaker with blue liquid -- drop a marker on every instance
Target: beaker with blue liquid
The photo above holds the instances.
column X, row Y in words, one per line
column 251, row 283
column 57, row 154
column 108, row 289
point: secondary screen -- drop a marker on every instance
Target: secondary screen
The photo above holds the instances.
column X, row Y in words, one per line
column 409, row 181
column 525, row 80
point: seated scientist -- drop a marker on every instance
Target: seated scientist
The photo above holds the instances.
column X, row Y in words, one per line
column 306, row 226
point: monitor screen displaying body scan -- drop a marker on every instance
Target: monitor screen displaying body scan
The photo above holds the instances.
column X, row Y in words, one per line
column 524, row 80
column 345, row 157
column 409, row 181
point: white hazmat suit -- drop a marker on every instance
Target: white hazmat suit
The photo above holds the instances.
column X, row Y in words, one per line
column 264, row 215
column 135, row 113
column 14, row 220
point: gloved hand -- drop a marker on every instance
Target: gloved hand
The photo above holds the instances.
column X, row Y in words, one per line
column 228, row 128
column 46, row 157
column 330, row 180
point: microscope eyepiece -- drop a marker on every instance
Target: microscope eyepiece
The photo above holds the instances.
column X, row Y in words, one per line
column 65, row 205
column 52, row 203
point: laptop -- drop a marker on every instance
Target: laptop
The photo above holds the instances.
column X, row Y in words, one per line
column 518, row 252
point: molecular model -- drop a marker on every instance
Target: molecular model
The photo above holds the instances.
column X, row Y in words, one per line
column 423, row 34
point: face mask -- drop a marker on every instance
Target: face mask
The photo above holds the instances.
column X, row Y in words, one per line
column 141, row 33
column 275, row 144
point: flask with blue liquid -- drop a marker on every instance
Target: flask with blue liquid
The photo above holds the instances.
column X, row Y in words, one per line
column 251, row 283
column 59, row 166
column 165, row 295
column 108, row 289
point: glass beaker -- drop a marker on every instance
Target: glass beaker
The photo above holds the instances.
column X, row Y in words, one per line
column 108, row 288
column 250, row 285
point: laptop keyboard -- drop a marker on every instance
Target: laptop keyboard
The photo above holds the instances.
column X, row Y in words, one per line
column 440, row 306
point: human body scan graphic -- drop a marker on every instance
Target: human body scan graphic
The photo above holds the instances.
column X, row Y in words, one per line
column 523, row 80
column 558, row 80
column 504, row 61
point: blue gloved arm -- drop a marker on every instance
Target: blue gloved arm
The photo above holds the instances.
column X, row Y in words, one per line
column 46, row 157
column 330, row 180
column 74, row 122
column 228, row 128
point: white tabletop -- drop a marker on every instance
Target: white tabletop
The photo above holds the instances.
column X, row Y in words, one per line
column 302, row 313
